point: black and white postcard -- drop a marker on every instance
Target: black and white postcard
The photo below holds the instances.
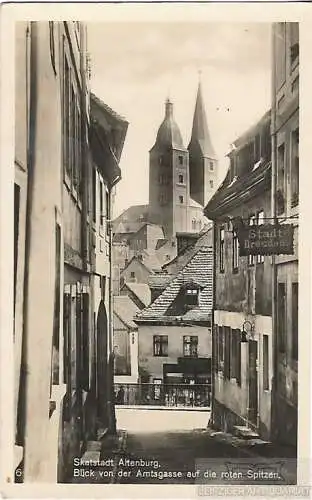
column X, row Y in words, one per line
column 155, row 320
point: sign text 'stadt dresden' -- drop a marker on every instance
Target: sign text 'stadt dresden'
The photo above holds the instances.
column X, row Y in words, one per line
column 266, row 239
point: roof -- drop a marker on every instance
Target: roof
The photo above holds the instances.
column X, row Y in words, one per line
column 198, row 270
column 135, row 213
column 150, row 260
column 200, row 131
column 204, row 239
column 125, row 309
column 169, row 133
column 141, row 290
column 129, row 227
column 250, row 133
column 194, row 203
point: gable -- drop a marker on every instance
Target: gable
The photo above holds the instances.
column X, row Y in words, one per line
column 199, row 270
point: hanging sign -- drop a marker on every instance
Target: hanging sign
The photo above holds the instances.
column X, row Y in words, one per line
column 266, row 239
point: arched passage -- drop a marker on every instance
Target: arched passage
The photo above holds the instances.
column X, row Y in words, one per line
column 101, row 362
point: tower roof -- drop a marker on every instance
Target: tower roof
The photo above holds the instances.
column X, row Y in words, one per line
column 200, row 131
column 169, row 133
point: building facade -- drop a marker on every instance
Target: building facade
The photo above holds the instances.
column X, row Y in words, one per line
column 174, row 331
column 63, row 312
column 285, row 164
column 242, row 368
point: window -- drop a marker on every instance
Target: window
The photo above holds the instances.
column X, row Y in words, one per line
column 211, row 184
column 294, row 350
column 66, row 120
column 161, row 160
column 281, row 317
column 295, row 168
column 191, row 296
column 220, row 348
column 181, row 160
column 260, row 221
column 236, row 355
column 193, row 224
column 251, row 258
column 222, row 251
column 181, row 179
column 280, row 195
column 94, row 194
column 132, row 274
column 101, row 204
column 190, row 346
column 181, row 199
column 265, row 362
column 294, row 44
column 211, row 166
column 160, row 345
column 227, row 352
column 280, row 54
column 235, row 250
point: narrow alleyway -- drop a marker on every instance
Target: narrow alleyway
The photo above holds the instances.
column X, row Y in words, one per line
column 143, row 455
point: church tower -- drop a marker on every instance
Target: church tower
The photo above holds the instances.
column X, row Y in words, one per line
column 203, row 163
column 169, row 183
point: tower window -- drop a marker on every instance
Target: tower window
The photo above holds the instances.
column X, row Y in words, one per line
column 181, row 179
column 211, row 166
column 181, row 160
column 211, row 184
column 181, row 199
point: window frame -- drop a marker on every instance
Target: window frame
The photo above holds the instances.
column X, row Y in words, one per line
column 162, row 342
column 190, row 341
column 222, row 249
column 235, row 252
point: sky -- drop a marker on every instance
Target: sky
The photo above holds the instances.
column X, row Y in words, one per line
column 136, row 66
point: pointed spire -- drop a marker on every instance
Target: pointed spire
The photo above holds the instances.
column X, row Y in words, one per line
column 200, row 131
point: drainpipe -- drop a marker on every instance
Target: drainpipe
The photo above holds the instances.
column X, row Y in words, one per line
column 274, row 269
column 111, row 392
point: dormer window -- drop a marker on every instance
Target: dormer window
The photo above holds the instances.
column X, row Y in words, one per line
column 191, row 295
